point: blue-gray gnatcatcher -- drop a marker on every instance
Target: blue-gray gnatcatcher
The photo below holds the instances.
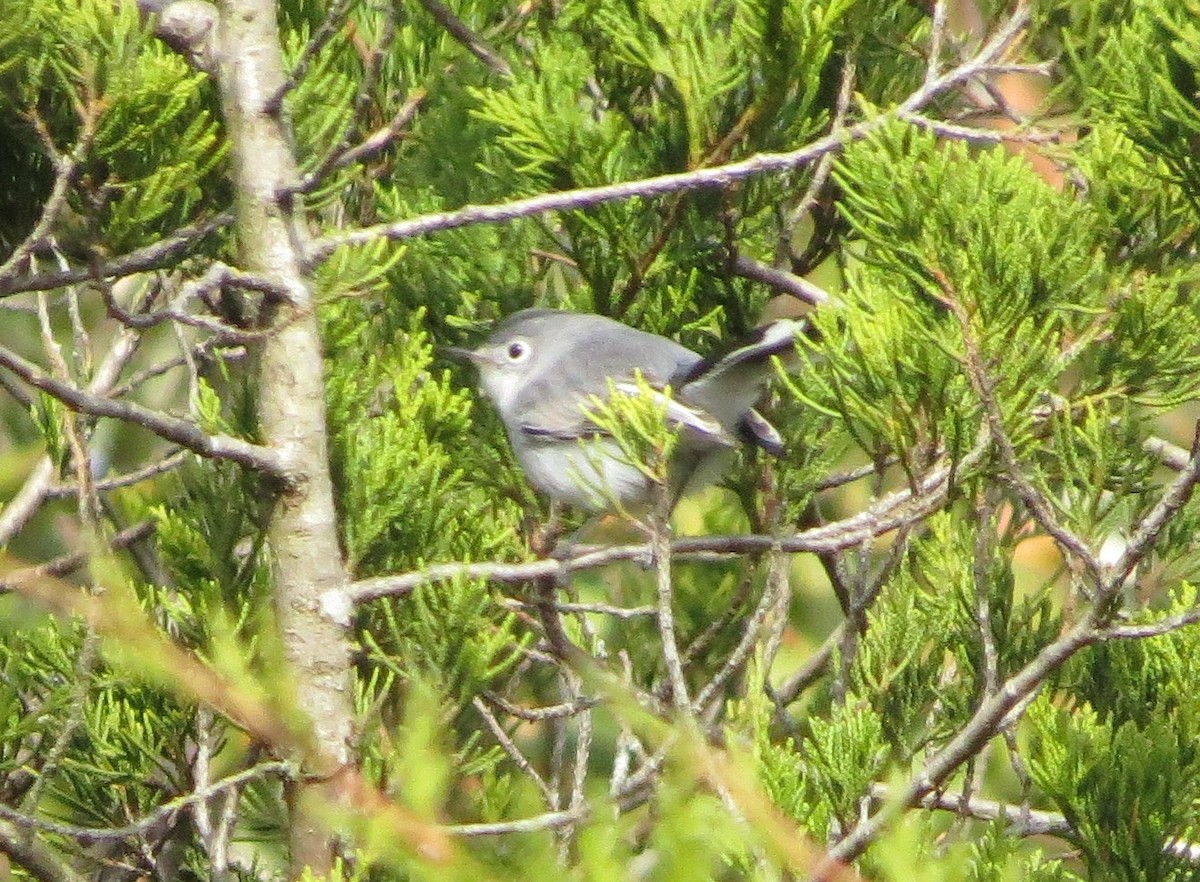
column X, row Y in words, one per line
column 541, row 367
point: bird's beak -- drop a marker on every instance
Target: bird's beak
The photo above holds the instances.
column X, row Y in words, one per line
column 460, row 354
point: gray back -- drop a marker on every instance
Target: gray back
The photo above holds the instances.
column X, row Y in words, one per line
column 575, row 354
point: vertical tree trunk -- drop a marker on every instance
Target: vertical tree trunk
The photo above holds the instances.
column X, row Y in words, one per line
column 306, row 558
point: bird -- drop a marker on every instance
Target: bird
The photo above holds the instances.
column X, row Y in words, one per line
column 542, row 369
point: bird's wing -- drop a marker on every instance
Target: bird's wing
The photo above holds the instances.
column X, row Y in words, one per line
column 613, row 354
column 696, row 425
column 728, row 384
column 757, row 430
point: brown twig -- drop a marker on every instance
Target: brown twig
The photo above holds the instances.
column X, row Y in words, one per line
column 718, row 176
column 65, row 168
column 165, row 252
column 376, row 142
column 334, row 16
column 889, row 513
column 1015, row 692
column 660, row 550
column 984, row 387
column 149, row 821
column 183, row 432
column 473, row 43
column 789, row 283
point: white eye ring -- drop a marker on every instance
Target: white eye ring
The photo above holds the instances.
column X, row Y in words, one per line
column 517, row 351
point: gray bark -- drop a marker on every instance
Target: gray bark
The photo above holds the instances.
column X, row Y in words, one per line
column 303, row 539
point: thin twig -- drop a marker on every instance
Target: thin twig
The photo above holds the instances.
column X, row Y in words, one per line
column 1152, row 629
column 148, row 822
column 183, row 432
column 716, row 176
column 741, row 652
column 36, row 858
column 1142, row 540
column 69, row 563
column 790, row 283
column 36, row 488
column 376, row 142
column 168, row 463
column 1023, row 822
column 164, row 252
column 607, row 609
column 1019, row 689
column 474, row 44
column 65, row 168
column 583, row 754
column 936, row 35
column 889, row 513
column 944, row 129
column 548, row 821
column 1171, row 455
column 984, row 537
column 215, row 279
column 824, row 168
column 514, row 753
column 325, row 32
column 660, row 549
column 984, row 388
column 536, row 714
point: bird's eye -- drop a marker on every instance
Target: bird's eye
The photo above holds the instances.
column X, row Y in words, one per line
column 517, row 351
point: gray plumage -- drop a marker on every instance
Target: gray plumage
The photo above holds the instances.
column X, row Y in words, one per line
column 540, row 367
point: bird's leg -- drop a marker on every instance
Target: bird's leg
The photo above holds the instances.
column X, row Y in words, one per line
column 546, row 539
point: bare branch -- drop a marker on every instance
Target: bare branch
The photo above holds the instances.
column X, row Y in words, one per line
column 937, row 34
column 890, row 513
column 535, row 714
column 215, row 279
column 660, row 549
column 741, row 652
column 184, row 433
column 334, row 17
column 1171, row 455
column 716, row 176
column 514, row 753
column 820, row 176
column 474, row 44
column 168, row 463
column 619, row 612
column 1151, row 629
column 302, row 526
column 548, row 821
column 1016, row 692
column 162, row 813
column 1142, row 540
column 984, row 388
column 376, row 142
column 69, row 563
column 1024, row 822
column 790, row 283
column 36, row 488
column 944, row 129
column 65, row 168
column 29, row 853
column 165, row 252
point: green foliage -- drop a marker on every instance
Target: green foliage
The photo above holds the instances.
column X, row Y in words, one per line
column 637, row 421
column 1079, row 301
column 991, row 855
column 1126, row 788
column 1143, row 76
column 394, row 425
column 106, row 92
